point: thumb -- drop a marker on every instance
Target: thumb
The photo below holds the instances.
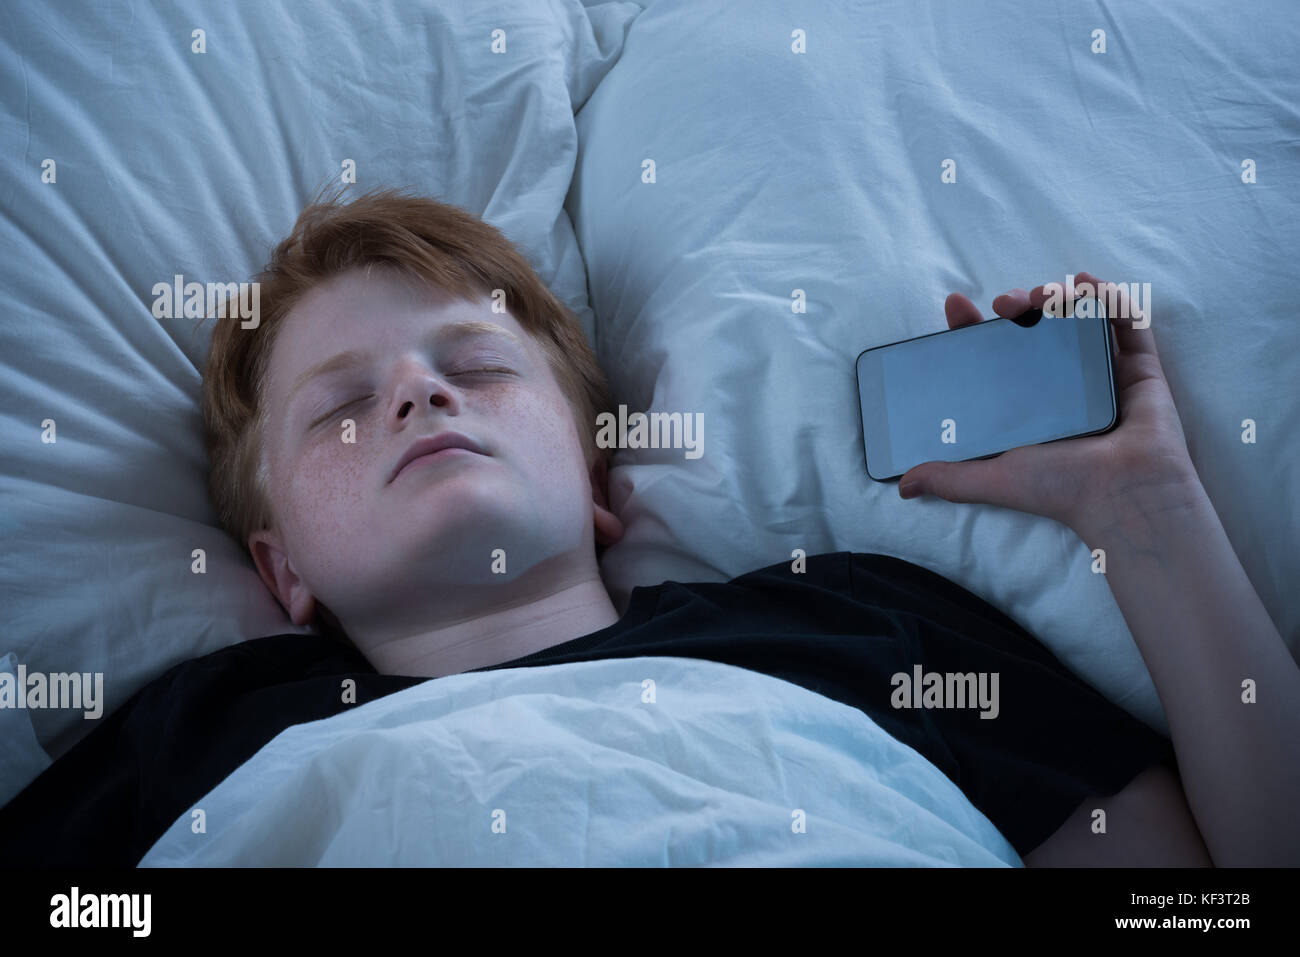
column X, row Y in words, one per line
column 983, row 480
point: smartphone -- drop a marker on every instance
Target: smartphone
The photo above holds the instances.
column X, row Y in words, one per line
column 979, row 390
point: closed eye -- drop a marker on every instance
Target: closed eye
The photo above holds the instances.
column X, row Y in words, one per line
column 330, row 415
column 487, row 369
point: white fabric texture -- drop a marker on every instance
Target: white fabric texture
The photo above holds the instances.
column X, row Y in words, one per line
column 637, row 762
column 776, row 171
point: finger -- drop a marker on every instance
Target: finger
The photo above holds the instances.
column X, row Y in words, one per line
column 1012, row 303
column 1039, row 295
column 1023, row 308
column 987, row 481
column 960, row 311
column 1123, row 316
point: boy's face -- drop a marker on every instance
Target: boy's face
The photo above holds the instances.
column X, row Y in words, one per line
column 391, row 551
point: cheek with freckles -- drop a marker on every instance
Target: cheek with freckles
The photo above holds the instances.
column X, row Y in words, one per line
column 325, row 496
column 534, row 426
column 551, row 441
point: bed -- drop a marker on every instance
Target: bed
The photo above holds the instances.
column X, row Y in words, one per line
column 734, row 207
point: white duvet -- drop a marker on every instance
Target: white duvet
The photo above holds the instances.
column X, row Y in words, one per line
column 641, row 762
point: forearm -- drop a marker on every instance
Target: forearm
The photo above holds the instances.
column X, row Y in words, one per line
column 1202, row 632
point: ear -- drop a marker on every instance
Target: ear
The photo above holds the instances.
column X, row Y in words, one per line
column 277, row 572
column 607, row 526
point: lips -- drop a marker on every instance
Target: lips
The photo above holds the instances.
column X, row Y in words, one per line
column 427, row 446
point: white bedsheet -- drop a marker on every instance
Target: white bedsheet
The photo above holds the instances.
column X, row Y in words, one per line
column 620, row 762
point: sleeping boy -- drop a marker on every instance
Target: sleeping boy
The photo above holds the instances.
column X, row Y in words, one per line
column 405, row 443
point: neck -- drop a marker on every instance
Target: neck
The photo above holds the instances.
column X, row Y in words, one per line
column 493, row 625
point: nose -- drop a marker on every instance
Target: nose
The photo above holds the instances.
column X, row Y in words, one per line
column 422, row 388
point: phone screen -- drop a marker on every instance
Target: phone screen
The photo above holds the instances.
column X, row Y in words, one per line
column 980, row 390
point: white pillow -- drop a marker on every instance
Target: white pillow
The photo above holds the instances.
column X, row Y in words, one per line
column 172, row 161
column 777, row 170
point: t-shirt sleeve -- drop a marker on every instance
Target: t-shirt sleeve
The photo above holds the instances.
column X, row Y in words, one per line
column 108, row 799
column 73, row 814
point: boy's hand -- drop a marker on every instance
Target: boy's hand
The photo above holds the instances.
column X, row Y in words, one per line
column 1093, row 481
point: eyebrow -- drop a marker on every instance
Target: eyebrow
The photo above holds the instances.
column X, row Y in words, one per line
column 453, row 333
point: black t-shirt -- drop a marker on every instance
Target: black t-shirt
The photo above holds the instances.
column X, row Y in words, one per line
column 843, row 627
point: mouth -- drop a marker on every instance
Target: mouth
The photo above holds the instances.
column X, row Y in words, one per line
column 445, row 445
